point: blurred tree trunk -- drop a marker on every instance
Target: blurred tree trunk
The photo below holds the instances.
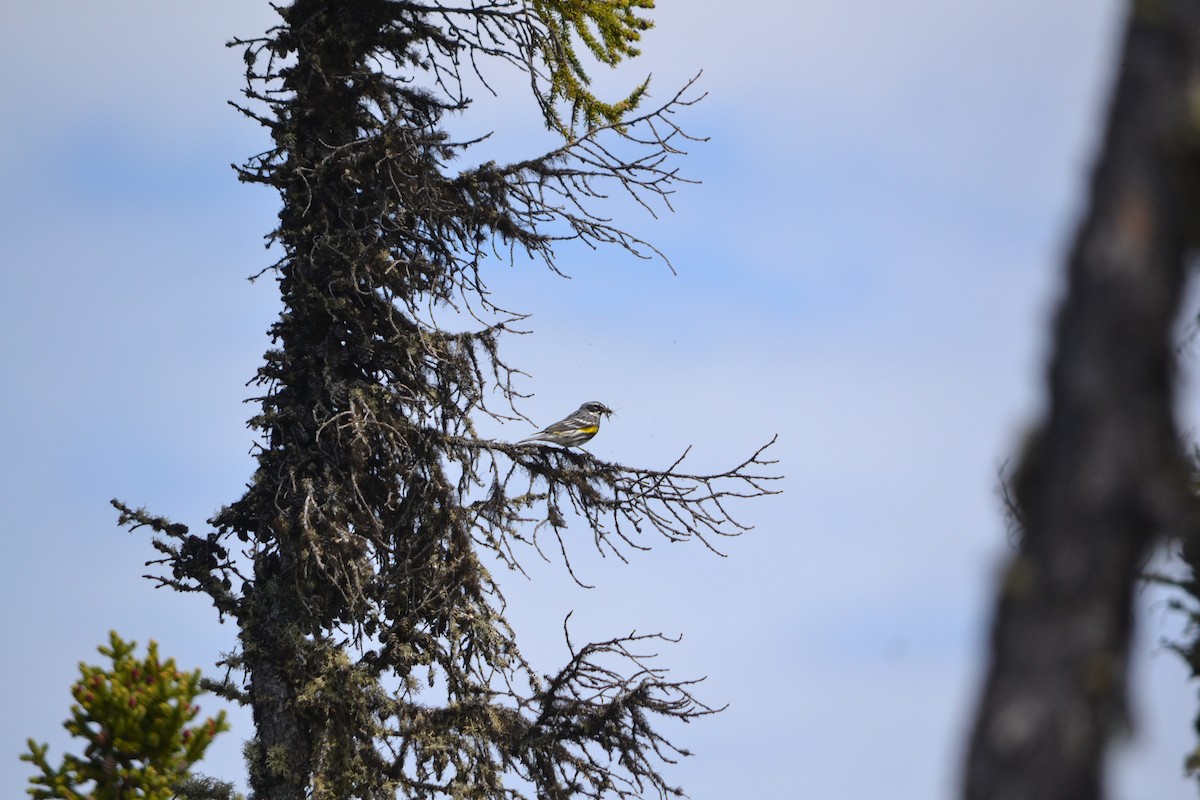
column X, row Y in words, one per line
column 1103, row 478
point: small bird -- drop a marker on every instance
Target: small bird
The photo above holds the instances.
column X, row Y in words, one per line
column 575, row 429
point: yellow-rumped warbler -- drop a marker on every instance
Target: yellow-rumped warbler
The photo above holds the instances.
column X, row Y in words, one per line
column 575, row 429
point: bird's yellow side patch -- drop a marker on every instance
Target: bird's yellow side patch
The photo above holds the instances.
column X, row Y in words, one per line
column 590, row 429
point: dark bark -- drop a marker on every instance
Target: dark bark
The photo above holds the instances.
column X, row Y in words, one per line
column 1103, row 478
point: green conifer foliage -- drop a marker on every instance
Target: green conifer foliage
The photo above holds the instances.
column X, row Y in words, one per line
column 135, row 716
column 609, row 29
column 373, row 648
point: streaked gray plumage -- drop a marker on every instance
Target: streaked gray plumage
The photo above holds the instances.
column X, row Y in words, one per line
column 575, row 429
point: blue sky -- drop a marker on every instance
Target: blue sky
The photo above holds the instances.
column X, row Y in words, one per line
column 867, row 270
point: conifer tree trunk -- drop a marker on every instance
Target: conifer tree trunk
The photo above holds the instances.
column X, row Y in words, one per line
column 374, row 654
column 1104, row 478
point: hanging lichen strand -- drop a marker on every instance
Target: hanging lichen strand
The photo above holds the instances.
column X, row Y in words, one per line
column 375, row 658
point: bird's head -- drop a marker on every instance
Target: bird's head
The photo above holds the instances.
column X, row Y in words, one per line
column 597, row 408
